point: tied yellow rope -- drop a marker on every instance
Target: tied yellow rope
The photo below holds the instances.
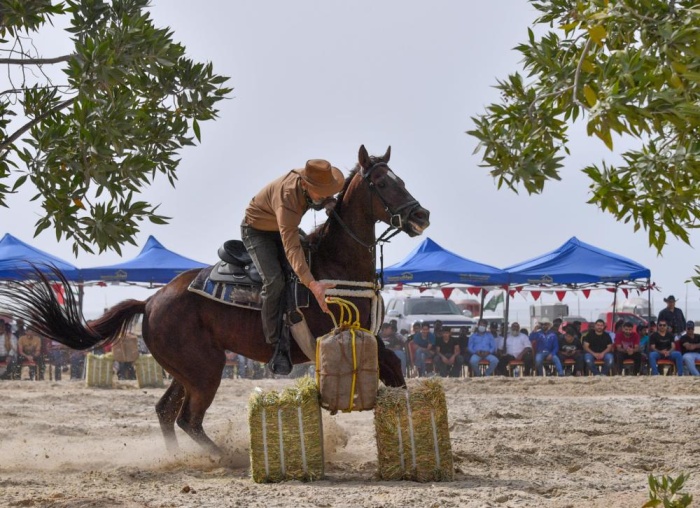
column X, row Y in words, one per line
column 350, row 321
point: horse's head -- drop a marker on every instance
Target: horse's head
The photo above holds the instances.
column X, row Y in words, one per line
column 398, row 207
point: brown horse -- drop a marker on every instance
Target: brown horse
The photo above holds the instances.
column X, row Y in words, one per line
column 188, row 334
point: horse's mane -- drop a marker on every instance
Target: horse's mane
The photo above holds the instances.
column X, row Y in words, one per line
column 317, row 234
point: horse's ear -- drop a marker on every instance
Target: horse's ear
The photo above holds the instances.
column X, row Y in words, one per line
column 363, row 158
column 387, row 155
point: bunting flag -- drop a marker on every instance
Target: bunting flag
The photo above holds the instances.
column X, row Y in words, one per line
column 494, row 302
column 626, row 292
column 102, row 284
column 512, row 293
column 446, row 292
column 398, row 287
column 421, row 289
column 474, row 291
column 611, row 290
column 60, row 295
column 560, row 295
column 586, row 293
column 519, row 289
column 535, row 294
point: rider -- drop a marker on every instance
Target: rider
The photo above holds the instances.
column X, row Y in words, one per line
column 271, row 225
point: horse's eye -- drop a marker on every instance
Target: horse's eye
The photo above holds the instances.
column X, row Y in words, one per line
column 381, row 184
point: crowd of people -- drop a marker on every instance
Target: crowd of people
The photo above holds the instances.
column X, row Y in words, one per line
column 553, row 348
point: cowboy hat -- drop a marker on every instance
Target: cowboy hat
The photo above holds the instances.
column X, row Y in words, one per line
column 322, row 178
column 670, row 298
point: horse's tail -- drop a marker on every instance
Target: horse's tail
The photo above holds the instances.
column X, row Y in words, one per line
column 34, row 300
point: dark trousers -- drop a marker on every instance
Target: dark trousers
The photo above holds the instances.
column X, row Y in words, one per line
column 527, row 359
column 265, row 247
column 621, row 356
column 579, row 362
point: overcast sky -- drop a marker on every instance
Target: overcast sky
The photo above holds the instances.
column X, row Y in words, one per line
column 316, row 79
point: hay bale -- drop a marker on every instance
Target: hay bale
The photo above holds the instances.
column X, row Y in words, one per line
column 413, row 437
column 149, row 374
column 347, row 370
column 286, row 435
column 99, row 370
column 126, row 348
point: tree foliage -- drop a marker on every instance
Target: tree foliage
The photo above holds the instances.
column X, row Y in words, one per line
column 626, row 67
column 93, row 136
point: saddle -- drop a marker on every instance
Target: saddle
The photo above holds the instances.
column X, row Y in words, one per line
column 235, row 266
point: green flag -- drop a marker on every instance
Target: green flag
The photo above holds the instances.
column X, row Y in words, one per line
column 493, row 302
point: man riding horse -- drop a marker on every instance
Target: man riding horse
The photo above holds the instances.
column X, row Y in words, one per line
column 271, row 225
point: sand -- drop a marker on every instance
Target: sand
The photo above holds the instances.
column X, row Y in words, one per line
column 516, row 442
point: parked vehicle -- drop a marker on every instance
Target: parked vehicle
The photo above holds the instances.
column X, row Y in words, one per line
column 427, row 309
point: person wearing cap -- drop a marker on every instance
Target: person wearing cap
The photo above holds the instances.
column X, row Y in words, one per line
column 690, row 348
column 482, row 346
column 546, row 345
column 661, row 347
column 271, row 226
column 598, row 345
column 673, row 316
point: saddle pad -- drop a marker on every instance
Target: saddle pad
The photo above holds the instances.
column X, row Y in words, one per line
column 238, row 295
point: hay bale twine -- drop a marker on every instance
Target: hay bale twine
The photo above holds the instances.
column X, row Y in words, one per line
column 99, row 370
column 347, row 370
column 286, row 435
column 413, row 437
column 149, row 374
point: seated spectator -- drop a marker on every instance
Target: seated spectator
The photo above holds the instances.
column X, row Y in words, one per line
column 482, row 346
column 627, row 347
column 8, row 350
column 570, row 348
column 643, row 332
column 29, row 349
column 394, row 341
column 690, row 348
column 425, row 344
column 546, row 347
column 661, row 347
column 597, row 345
column 517, row 347
column 464, row 341
column 500, row 341
column 448, row 361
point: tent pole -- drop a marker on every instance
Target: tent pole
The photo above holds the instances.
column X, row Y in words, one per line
column 649, row 298
column 505, row 317
column 483, row 298
column 614, row 308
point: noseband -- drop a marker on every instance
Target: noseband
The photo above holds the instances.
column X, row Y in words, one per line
column 395, row 216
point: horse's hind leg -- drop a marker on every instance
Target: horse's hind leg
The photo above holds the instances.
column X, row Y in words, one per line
column 167, row 408
column 196, row 403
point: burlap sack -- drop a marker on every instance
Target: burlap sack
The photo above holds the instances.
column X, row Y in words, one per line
column 348, row 380
column 126, row 348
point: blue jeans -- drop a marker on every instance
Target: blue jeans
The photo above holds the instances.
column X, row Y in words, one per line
column 402, row 357
column 539, row 360
column 608, row 360
column 474, row 364
column 421, row 355
column 689, row 362
column 675, row 357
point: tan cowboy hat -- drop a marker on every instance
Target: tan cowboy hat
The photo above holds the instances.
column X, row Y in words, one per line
column 322, row 178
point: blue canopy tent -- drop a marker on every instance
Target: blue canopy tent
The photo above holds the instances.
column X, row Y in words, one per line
column 576, row 262
column 16, row 256
column 154, row 264
column 430, row 263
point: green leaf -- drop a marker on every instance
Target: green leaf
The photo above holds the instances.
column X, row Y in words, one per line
column 597, row 33
column 590, row 95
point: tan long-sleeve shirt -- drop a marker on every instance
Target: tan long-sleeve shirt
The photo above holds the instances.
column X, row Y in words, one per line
column 279, row 206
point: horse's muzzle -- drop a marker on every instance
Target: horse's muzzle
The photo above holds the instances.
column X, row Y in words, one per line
column 417, row 221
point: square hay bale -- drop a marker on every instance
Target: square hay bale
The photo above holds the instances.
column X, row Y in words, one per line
column 347, row 370
column 149, row 374
column 413, row 437
column 286, row 434
column 126, row 348
column 99, row 370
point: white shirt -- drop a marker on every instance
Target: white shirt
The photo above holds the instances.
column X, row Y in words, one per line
column 516, row 345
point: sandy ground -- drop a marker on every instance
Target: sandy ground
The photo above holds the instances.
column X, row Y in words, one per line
column 516, row 442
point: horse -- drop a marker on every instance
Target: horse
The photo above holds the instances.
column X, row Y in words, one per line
column 188, row 334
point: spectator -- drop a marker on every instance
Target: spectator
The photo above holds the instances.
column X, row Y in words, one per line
column 425, row 344
column 546, row 346
column 673, row 317
column 464, row 341
column 396, row 342
column 661, row 347
column 500, row 341
column 482, row 346
column 29, row 349
column 448, row 361
column 652, row 327
column 556, row 328
column 517, row 347
column 690, row 348
column 597, row 346
column 627, row 347
column 8, row 350
column 643, row 332
column 570, row 348
column 577, row 329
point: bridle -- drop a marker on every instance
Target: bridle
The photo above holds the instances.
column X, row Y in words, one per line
column 396, row 220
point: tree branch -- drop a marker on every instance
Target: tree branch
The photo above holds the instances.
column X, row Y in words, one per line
column 5, row 146
column 35, row 61
column 578, row 73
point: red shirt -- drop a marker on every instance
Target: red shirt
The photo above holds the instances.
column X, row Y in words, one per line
column 623, row 341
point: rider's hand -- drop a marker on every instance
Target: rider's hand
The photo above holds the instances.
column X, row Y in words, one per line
column 319, row 291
